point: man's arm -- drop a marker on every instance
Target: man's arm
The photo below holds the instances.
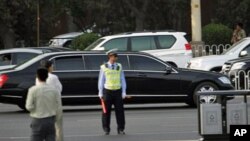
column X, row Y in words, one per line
column 30, row 105
column 59, row 106
column 101, row 82
column 54, row 81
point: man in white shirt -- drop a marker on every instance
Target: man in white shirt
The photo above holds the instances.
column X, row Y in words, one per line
column 44, row 104
column 52, row 78
column 53, row 81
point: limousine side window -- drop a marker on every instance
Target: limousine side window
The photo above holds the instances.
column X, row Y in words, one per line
column 146, row 64
column 143, row 43
column 93, row 62
column 69, row 63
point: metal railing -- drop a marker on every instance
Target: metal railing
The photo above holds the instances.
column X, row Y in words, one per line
column 205, row 50
column 241, row 79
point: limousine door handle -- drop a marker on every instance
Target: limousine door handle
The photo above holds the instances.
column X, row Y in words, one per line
column 142, row 75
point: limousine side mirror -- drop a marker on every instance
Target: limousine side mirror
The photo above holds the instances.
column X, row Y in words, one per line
column 243, row 53
column 168, row 70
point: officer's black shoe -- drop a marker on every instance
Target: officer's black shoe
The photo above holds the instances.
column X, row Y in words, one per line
column 106, row 133
column 121, row 132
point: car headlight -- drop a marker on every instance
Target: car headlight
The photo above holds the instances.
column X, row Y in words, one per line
column 224, row 80
column 238, row 65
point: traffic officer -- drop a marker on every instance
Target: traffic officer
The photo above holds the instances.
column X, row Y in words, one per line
column 112, row 90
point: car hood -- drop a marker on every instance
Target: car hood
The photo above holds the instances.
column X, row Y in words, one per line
column 68, row 35
column 203, row 73
column 243, row 59
column 210, row 58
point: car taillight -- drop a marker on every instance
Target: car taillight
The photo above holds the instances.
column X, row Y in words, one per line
column 3, row 79
column 188, row 46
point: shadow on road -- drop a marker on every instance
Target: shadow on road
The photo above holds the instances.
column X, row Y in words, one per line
column 6, row 110
column 134, row 107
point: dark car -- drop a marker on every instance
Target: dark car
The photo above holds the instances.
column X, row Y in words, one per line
column 9, row 58
column 237, row 70
column 149, row 79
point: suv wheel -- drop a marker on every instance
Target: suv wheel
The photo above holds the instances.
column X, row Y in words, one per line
column 203, row 87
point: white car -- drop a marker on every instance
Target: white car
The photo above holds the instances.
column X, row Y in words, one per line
column 215, row 62
column 169, row 46
column 64, row 40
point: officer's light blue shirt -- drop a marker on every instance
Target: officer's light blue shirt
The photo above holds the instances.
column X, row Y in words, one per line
column 102, row 79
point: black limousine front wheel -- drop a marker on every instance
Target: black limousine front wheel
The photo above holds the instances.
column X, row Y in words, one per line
column 203, row 87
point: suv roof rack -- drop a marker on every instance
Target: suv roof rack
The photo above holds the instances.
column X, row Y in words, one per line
column 146, row 31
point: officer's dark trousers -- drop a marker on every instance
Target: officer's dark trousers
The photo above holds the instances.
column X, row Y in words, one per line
column 113, row 97
column 43, row 129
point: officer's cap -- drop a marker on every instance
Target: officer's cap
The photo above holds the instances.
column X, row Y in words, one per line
column 112, row 53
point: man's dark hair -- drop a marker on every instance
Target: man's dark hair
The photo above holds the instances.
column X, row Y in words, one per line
column 46, row 64
column 42, row 74
column 240, row 25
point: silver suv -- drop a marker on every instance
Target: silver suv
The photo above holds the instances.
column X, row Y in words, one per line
column 169, row 46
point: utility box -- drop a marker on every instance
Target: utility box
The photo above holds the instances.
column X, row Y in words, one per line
column 236, row 115
column 211, row 119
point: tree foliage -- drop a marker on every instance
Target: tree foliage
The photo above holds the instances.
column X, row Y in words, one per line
column 83, row 41
column 231, row 12
column 216, row 34
column 18, row 17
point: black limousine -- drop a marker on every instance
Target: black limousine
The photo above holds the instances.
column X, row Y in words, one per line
column 149, row 79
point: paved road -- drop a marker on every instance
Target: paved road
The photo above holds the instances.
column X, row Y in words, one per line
column 158, row 122
column 162, row 122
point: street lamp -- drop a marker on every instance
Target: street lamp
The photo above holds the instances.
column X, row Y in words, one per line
column 38, row 23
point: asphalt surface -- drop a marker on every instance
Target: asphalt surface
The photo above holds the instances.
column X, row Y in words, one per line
column 151, row 122
column 158, row 122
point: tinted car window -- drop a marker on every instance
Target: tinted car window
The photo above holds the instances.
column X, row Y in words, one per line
column 124, row 61
column 145, row 63
column 93, row 45
column 93, row 62
column 5, row 59
column 142, row 43
column 69, row 63
column 119, row 44
column 247, row 49
column 166, row 41
column 20, row 58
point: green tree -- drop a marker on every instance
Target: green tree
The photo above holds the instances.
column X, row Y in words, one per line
column 233, row 11
column 83, row 41
column 216, row 34
column 18, row 20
